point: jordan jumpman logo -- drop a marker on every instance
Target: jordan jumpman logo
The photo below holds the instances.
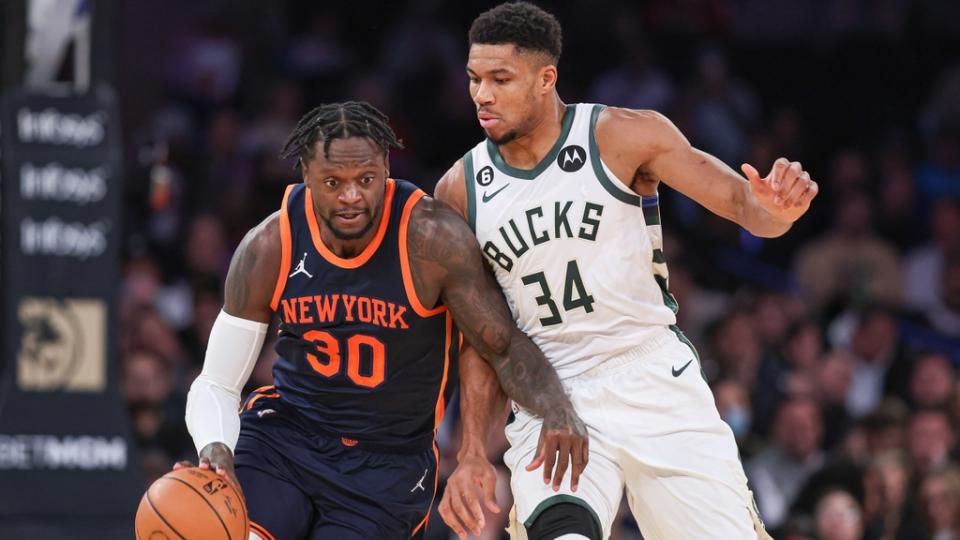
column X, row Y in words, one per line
column 301, row 269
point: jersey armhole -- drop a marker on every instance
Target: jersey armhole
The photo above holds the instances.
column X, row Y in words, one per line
column 405, row 269
column 614, row 186
column 470, row 188
column 285, row 249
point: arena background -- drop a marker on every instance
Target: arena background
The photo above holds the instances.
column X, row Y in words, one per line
column 140, row 142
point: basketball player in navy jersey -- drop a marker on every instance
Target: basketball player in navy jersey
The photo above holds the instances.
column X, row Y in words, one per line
column 563, row 200
column 371, row 281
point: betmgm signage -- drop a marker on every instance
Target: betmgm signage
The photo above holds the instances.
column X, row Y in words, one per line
column 63, row 426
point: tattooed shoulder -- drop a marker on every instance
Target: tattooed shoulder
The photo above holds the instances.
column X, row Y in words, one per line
column 439, row 236
column 254, row 269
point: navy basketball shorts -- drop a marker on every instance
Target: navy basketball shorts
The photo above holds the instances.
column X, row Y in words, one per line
column 301, row 485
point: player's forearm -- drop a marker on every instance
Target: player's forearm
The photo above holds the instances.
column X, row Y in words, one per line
column 214, row 396
column 528, row 378
column 481, row 398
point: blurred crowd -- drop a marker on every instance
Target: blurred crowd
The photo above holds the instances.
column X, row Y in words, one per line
column 832, row 352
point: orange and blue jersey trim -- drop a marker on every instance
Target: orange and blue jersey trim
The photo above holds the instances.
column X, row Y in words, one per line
column 367, row 253
column 408, row 284
column 285, row 249
column 259, row 393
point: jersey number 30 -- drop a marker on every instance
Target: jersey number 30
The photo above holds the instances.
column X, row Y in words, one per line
column 574, row 294
column 329, row 346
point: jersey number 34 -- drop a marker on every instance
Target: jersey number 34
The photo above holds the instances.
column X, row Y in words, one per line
column 574, row 294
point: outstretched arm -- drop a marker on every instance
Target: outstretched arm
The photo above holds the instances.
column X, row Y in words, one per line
column 481, row 396
column 644, row 147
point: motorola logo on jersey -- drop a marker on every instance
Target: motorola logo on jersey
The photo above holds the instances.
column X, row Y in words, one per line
column 572, row 158
column 485, row 176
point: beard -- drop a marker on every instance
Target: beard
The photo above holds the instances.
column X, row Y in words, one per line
column 505, row 138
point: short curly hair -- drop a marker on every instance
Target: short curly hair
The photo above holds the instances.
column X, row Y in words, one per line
column 525, row 25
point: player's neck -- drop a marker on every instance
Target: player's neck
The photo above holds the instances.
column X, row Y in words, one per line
column 528, row 150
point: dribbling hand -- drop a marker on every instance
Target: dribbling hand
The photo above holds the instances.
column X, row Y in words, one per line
column 216, row 456
column 785, row 192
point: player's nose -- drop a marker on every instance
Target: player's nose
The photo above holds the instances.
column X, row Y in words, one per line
column 484, row 95
column 349, row 194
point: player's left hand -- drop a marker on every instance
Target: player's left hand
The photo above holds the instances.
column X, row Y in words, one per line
column 460, row 507
column 218, row 457
column 786, row 192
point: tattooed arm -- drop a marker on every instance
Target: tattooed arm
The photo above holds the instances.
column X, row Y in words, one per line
column 481, row 397
column 443, row 249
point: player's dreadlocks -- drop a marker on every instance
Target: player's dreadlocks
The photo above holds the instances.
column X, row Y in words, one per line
column 339, row 121
column 521, row 23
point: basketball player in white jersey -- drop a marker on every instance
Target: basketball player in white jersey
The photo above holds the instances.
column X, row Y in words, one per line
column 563, row 199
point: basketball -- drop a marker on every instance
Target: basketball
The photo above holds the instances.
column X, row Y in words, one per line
column 193, row 504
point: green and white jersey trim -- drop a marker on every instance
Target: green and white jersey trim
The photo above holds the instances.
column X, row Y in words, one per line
column 578, row 254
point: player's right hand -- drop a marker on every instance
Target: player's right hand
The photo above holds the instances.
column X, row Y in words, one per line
column 460, row 507
column 563, row 440
column 216, row 456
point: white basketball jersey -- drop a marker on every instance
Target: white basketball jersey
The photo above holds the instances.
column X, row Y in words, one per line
column 579, row 255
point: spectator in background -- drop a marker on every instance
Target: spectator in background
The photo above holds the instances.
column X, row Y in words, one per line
column 923, row 269
column 849, row 261
column 790, row 367
column 831, row 385
column 932, row 381
column 885, row 429
column 778, row 473
column 929, row 441
column 637, row 83
column 897, row 213
column 888, row 511
column 736, row 348
column 838, row 517
column 723, row 109
column 878, row 364
column 733, row 404
column 940, row 500
column 944, row 315
column 701, row 305
column 147, row 386
column 148, row 330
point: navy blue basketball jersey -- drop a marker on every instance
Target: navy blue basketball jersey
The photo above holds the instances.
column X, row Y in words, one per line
column 359, row 356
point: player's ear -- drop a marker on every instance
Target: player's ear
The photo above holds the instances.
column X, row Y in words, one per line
column 386, row 164
column 548, row 78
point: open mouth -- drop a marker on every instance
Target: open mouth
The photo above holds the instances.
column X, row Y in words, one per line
column 349, row 217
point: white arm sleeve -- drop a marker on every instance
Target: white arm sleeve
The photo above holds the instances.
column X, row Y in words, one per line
column 214, row 396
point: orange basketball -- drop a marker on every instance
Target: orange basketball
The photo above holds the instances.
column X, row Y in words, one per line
column 193, row 504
